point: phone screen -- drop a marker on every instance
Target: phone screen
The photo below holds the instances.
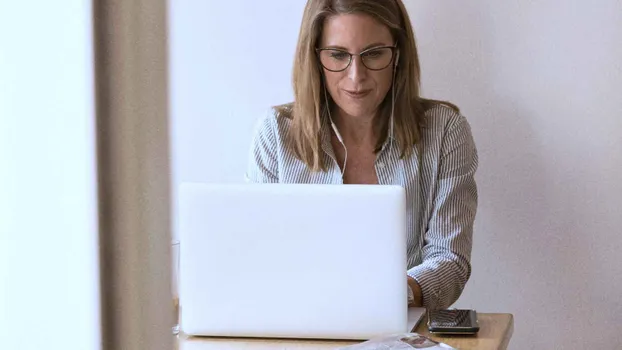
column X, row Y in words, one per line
column 453, row 319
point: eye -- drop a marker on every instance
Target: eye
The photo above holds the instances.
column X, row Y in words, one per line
column 377, row 53
column 372, row 54
column 339, row 55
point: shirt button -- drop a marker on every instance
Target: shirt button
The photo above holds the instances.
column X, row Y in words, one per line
column 381, row 165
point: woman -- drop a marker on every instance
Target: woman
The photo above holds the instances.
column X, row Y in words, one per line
column 358, row 118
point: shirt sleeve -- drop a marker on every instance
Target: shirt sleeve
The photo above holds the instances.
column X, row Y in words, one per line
column 262, row 163
column 446, row 254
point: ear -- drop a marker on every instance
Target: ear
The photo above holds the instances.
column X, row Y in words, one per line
column 397, row 58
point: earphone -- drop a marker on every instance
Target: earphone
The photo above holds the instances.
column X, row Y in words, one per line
column 391, row 136
column 335, row 129
column 332, row 124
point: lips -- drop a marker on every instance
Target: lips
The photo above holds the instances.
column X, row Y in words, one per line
column 357, row 93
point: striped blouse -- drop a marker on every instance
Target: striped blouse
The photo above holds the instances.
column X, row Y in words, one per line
column 440, row 188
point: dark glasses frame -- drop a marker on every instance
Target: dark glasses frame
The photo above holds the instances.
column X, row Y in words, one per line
column 360, row 54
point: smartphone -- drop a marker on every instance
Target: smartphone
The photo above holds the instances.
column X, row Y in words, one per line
column 453, row 321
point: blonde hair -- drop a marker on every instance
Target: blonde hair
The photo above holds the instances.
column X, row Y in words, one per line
column 308, row 111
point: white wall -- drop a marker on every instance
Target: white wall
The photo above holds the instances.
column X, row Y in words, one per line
column 49, row 297
column 230, row 61
column 540, row 83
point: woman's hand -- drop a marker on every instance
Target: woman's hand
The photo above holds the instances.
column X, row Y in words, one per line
column 418, row 296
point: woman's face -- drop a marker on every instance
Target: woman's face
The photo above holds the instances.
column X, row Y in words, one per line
column 357, row 90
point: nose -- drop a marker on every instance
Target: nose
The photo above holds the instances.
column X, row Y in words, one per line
column 357, row 70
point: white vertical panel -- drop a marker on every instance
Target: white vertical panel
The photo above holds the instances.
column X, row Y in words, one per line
column 49, row 275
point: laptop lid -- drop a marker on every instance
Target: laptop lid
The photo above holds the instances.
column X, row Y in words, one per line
column 292, row 261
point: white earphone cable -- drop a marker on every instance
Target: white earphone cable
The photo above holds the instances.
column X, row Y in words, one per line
column 391, row 121
column 332, row 124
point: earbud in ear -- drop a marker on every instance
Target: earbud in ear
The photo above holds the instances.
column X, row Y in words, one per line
column 397, row 58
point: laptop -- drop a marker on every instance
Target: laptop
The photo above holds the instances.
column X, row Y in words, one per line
column 293, row 261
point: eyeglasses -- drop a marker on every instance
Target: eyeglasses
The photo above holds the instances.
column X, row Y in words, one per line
column 375, row 58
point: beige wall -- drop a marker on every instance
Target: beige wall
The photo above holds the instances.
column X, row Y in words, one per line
column 131, row 62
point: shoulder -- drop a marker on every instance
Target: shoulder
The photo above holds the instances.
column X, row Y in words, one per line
column 441, row 118
column 272, row 127
column 282, row 116
column 446, row 129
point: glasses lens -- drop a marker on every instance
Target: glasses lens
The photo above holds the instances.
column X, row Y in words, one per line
column 334, row 60
column 378, row 58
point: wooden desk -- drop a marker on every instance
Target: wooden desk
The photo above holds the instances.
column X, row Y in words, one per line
column 495, row 333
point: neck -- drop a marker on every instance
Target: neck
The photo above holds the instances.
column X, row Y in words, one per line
column 355, row 130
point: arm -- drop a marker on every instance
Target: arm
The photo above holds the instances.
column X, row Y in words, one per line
column 262, row 163
column 415, row 290
column 447, row 247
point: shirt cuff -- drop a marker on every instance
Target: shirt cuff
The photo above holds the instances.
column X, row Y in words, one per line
column 429, row 285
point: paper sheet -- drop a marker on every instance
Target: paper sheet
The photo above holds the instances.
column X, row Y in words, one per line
column 415, row 315
column 404, row 341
